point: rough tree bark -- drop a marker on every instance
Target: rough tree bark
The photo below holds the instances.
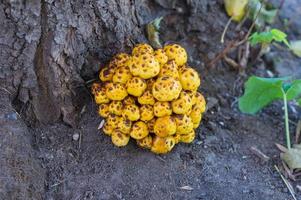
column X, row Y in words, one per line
column 49, row 49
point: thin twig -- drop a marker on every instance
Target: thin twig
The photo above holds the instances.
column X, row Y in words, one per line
column 259, row 153
column 225, row 30
column 287, row 183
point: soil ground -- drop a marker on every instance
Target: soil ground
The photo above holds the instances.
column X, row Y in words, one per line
column 217, row 165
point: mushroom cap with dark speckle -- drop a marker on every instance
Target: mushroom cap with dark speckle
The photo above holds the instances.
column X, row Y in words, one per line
column 166, row 88
column 177, row 53
column 139, row 130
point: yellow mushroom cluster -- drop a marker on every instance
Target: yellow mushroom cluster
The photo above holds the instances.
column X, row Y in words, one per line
column 150, row 96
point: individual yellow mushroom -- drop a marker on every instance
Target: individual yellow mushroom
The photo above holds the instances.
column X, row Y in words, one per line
column 162, row 108
column 166, row 88
column 115, row 107
column 136, row 86
column 165, row 126
column 169, row 69
column 107, row 129
column 100, row 96
column 112, row 120
column 183, row 104
column 142, row 48
column 139, row 130
column 199, row 101
column 145, row 66
column 119, row 139
column 146, row 113
column 236, row 9
column 124, row 125
column 95, row 87
column 131, row 112
column 116, row 91
column 119, row 60
column 160, row 56
column 103, row 110
column 184, row 124
column 106, row 74
column 128, row 100
column 122, row 75
column 189, row 79
column 177, row 53
column 147, row 98
column 196, row 116
column 146, row 142
column 163, row 145
column 150, row 125
column 188, row 138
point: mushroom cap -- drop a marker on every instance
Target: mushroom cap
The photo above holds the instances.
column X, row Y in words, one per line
column 146, row 142
column 131, row 112
column 146, row 113
column 166, row 88
column 100, row 96
column 119, row 60
column 177, row 53
column 196, row 116
column 183, row 104
column 142, row 48
column 106, row 74
column 162, row 145
column 184, row 124
column 139, row 130
column 190, row 79
column 188, row 138
column 128, row 100
column 124, row 125
column 103, row 110
column 199, row 101
column 150, row 125
column 145, row 66
column 136, row 86
column 162, row 108
column 169, row 69
column 147, row 98
column 116, row 91
column 115, row 107
column 160, row 56
column 122, row 75
column 95, row 86
column 119, row 139
column 112, row 120
column 107, row 129
column 165, row 126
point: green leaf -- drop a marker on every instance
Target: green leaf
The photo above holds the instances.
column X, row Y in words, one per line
column 268, row 37
column 279, row 36
column 294, row 91
column 259, row 92
column 292, row 158
column 296, row 47
column 265, row 16
column 152, row 29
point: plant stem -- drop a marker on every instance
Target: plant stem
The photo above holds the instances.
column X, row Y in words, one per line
column 225, row 30
column 287, row 131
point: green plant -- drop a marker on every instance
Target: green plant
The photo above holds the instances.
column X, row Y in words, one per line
column 260, row 92
column 268, row 37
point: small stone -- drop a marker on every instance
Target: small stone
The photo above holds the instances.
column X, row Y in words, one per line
column 75, row 136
